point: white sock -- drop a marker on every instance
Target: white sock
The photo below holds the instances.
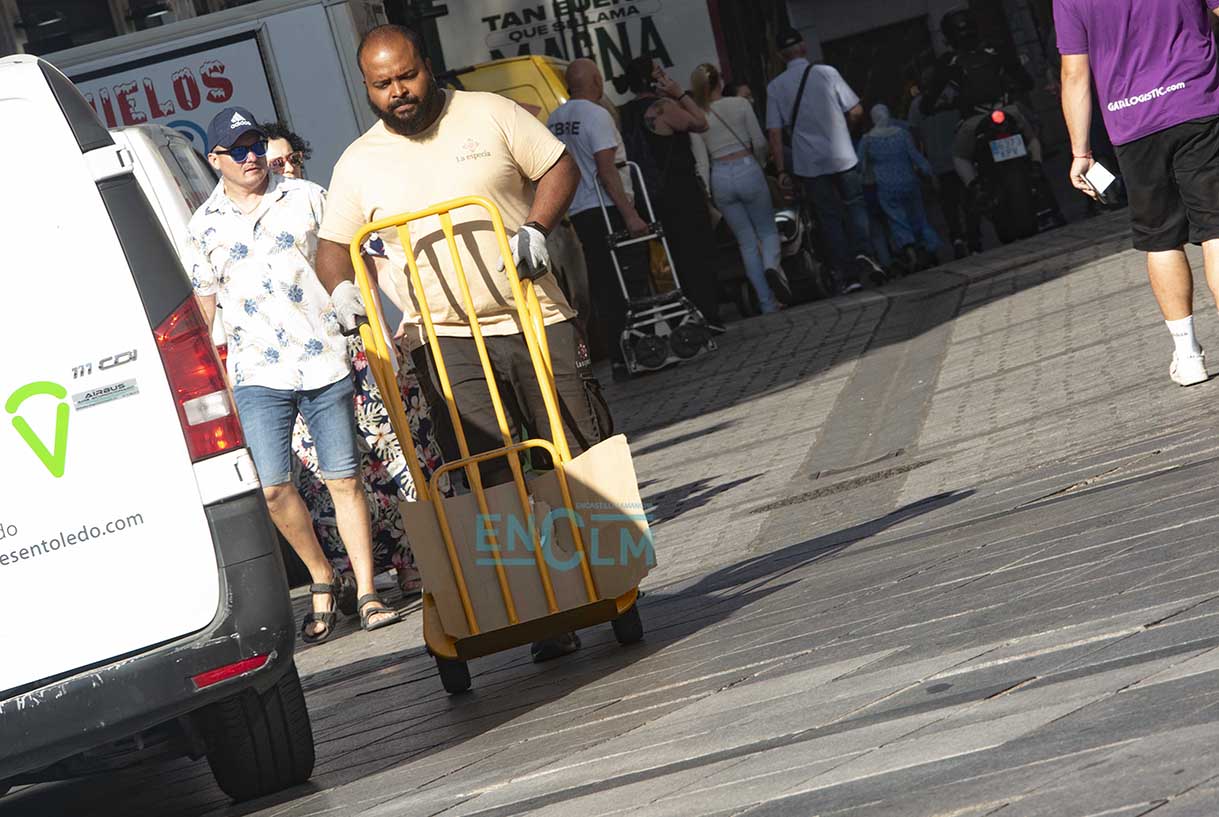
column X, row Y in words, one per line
column 1183, row 336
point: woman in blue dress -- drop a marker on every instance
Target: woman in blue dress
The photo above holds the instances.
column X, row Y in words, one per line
column 887, row 153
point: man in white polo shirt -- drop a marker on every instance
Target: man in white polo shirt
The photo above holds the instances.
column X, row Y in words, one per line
column 254, row 241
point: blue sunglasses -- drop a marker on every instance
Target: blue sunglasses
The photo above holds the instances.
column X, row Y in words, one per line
column 242, row 152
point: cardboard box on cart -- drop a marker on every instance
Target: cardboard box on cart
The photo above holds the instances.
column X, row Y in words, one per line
column 606, row 508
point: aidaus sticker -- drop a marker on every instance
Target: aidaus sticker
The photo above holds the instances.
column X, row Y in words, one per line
column 105, row 394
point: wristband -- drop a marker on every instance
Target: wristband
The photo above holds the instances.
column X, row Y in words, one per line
column 535, row 225
column 1087, row 155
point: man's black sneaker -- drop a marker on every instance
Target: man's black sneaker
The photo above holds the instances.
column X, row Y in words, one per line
column 553, row 648
column 868, row 263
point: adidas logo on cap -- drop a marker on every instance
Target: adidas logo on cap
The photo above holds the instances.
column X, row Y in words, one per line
column 239, row 121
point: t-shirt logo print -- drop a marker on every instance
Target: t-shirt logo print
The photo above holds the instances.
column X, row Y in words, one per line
column 472, row 149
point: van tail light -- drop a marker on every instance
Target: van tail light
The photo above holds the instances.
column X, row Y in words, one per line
column 215, row 676
column 205, row 407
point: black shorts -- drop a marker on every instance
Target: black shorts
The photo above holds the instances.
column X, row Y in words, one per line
column 1172, row 180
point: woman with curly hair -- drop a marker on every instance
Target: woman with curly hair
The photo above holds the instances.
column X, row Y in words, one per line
column 286, row 151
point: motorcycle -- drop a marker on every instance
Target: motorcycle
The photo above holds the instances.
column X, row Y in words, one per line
column 1006, row 189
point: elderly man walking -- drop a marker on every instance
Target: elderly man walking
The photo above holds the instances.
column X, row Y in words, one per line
column 1154, row 62
column 592, row 139
column 254, row 242
column 431, row 146
column 815, row 104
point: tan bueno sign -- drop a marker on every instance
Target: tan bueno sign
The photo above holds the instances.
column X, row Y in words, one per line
column 611, row 32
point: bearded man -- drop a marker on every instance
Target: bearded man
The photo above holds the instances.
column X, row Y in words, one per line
column 431, row 146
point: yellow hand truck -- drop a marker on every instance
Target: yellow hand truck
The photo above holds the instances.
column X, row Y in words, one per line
column 469, row 611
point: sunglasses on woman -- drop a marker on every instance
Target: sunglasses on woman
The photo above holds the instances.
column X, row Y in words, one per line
column 294, row 158
column 240, row 153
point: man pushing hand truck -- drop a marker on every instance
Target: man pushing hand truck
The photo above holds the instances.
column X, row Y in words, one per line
column 498, row 349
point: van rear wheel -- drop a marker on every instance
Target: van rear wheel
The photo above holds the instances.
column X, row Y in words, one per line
column 259, row 744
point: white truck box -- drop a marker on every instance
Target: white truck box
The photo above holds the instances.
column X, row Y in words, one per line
column 287, row 60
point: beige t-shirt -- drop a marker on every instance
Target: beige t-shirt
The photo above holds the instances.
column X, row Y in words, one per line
column 482, row 145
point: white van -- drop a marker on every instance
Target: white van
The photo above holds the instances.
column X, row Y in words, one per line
column 176, row 180
column 145, row 606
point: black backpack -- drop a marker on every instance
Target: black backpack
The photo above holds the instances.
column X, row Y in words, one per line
column 635, row 139
column 981, row 77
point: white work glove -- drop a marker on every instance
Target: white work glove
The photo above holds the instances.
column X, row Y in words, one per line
column 349, row 306
column 529, row 252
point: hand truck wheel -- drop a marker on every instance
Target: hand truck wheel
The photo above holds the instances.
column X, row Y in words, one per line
column 688, row 340
column 650, row 351
column 628, row 627
column 454, row 675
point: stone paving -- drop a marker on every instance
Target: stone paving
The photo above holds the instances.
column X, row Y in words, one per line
column 942, row 549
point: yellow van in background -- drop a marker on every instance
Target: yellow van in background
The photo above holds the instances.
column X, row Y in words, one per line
column 534, row 83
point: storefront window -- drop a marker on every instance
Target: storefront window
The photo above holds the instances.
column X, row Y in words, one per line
column 46, row 26
column 52, row 25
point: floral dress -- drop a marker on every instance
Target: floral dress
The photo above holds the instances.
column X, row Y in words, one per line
column 387, row 479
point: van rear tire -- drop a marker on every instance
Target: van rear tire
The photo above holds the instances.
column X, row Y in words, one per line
column 259, row 744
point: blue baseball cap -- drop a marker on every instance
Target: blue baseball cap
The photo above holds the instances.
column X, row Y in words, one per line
column 230, row 125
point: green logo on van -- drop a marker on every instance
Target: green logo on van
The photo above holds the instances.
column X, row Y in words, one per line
column 53, row 458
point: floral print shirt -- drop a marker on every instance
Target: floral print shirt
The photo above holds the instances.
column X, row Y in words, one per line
column 281, row 328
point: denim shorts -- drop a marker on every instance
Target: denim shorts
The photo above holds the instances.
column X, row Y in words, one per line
column 269, row 415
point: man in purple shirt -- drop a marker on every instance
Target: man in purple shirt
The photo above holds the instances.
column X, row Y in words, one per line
column 1156, row 74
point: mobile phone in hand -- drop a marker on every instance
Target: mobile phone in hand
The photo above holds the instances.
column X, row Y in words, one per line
column 1102, row 182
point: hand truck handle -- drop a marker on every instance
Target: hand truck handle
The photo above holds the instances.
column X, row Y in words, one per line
column 623, row 237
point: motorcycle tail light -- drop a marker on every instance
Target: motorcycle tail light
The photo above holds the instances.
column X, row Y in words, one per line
column 998, row 117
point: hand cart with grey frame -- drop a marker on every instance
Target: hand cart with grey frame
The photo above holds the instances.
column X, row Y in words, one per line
column 661, row 328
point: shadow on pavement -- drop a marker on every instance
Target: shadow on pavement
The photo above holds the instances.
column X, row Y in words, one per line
column 745, row 576
column 678, row 439
column 377, row 714
column 770, row 353
column 672, row 503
